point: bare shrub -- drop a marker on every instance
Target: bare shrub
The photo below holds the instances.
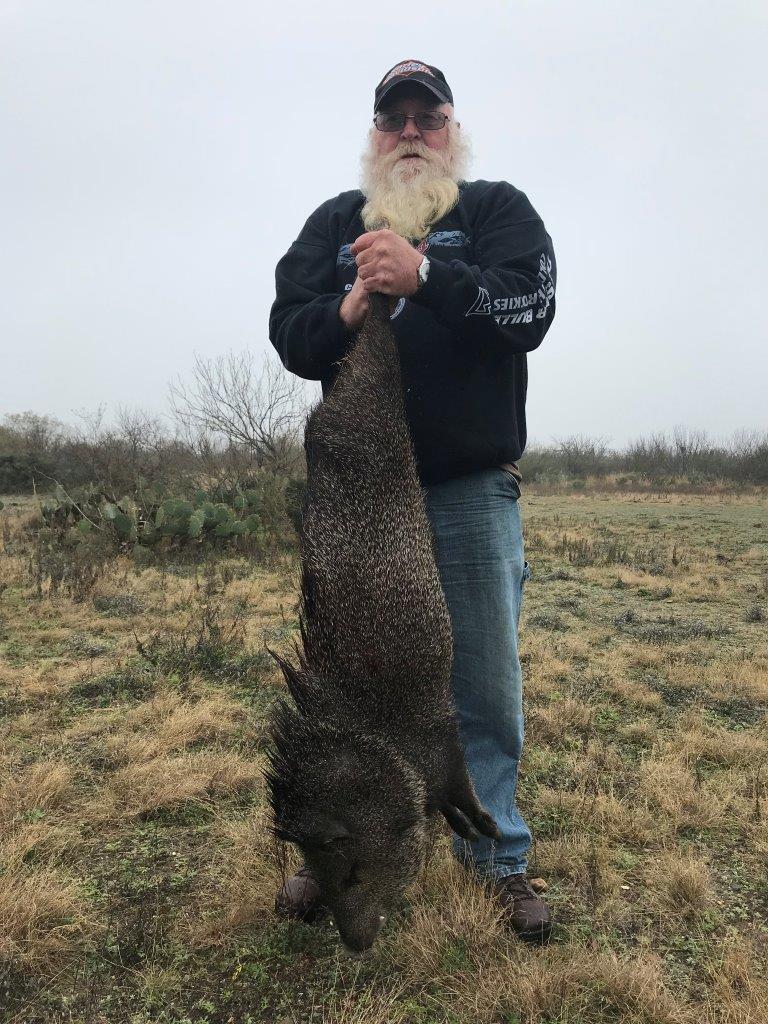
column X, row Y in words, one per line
column 29, row 433
column 686, row 458
column 235, row 413
column 137, row 449
column 28, row 443
column 582, row 456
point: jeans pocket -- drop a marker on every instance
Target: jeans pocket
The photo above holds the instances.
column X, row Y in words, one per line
column 511, row 482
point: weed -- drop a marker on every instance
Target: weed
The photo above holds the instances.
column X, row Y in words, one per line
column 117, row 605
column 131, row 682
column 660, row 594
column 211, row 643
column 84, row 646
column 71, row 563
column 548, row 620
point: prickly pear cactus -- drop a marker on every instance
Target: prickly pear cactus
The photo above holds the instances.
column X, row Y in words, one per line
column 152, row 520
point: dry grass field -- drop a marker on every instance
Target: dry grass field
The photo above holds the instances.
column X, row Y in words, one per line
column 137, row 876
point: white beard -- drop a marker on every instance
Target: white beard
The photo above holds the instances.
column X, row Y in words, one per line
column 409, row 196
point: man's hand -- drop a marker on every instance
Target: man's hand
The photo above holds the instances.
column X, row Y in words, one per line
column 387, row 263
column 354, row 308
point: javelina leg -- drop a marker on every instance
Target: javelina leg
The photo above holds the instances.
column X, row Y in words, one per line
column 462, row 810
column 460, row 823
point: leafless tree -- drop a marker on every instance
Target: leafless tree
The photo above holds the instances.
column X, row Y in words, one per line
column 231, row 405
column 690, row 449
column 136, row 445
column 35, row 435
column 584, row 456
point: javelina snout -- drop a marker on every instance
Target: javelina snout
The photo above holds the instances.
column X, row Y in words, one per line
column 356, row 810
column 361, row 884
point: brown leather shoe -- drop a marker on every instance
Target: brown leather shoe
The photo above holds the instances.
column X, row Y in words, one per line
column 299, row 897
column 524, row 910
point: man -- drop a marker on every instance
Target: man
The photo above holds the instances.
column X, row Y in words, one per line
column 471, row 274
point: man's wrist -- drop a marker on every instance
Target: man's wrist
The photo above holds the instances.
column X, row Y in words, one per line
column 344, row 310
column 352, row 311
column 422, row 273
column 437, row 293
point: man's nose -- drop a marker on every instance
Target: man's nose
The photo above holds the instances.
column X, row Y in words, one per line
column 410, row 131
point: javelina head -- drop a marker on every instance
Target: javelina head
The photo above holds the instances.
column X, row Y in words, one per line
column 356, row 810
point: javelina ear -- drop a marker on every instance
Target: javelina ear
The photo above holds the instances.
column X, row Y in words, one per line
column 299, row 686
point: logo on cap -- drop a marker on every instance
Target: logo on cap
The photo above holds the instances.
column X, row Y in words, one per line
column 408, row 67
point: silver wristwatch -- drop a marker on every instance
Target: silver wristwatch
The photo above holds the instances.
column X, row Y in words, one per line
column 422, row 273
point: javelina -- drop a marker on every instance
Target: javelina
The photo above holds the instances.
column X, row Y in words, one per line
column 370, row 748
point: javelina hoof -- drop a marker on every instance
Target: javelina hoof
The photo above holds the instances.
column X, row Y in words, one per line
column 470, row 823
column 299, row 898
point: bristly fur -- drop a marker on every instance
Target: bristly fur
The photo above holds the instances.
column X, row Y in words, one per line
column 369, row 747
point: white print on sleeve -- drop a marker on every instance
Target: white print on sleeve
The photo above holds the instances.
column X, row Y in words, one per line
column 518, row 309
column 525, row 316
column 547, row 286
column 515, row 302
column 482, row 304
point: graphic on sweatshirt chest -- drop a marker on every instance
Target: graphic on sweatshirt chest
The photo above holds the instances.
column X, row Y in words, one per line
column 436, row 239
column 345, row 260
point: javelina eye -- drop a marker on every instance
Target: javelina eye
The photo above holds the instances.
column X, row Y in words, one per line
column 335, row 843
column 336, row 846
column 354, row 877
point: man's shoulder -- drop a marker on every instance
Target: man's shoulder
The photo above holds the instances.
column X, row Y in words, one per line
column 481, row 187
column 328, row 222
column 487, row 201
column 482, row 191
column 350, row 201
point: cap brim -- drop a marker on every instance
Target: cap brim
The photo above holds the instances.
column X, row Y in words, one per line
column 410, row 80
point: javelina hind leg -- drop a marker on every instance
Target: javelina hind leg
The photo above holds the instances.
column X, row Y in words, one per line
column 464, row 812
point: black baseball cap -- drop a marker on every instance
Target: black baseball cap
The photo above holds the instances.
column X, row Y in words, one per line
column 413, row 71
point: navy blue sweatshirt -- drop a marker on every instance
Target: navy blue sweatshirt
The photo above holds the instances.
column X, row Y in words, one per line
column 463, row 337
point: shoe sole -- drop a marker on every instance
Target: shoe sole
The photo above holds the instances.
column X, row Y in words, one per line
column 536, row 937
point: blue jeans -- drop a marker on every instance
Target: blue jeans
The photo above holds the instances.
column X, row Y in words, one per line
column 479, row 546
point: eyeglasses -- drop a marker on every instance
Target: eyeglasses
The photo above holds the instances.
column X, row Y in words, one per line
column 425, row 121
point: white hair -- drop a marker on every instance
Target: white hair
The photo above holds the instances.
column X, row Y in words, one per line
column 409, row 197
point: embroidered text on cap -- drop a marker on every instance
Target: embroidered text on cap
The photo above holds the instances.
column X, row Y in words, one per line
column 409, row 67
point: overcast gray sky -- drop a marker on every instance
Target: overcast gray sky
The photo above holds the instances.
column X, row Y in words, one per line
column 159, row 157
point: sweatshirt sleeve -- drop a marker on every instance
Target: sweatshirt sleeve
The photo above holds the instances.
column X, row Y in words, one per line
column 304, row 323
column 508, row 294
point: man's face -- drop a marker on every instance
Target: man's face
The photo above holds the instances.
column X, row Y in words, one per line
column 408, row 99
column 410, row 177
